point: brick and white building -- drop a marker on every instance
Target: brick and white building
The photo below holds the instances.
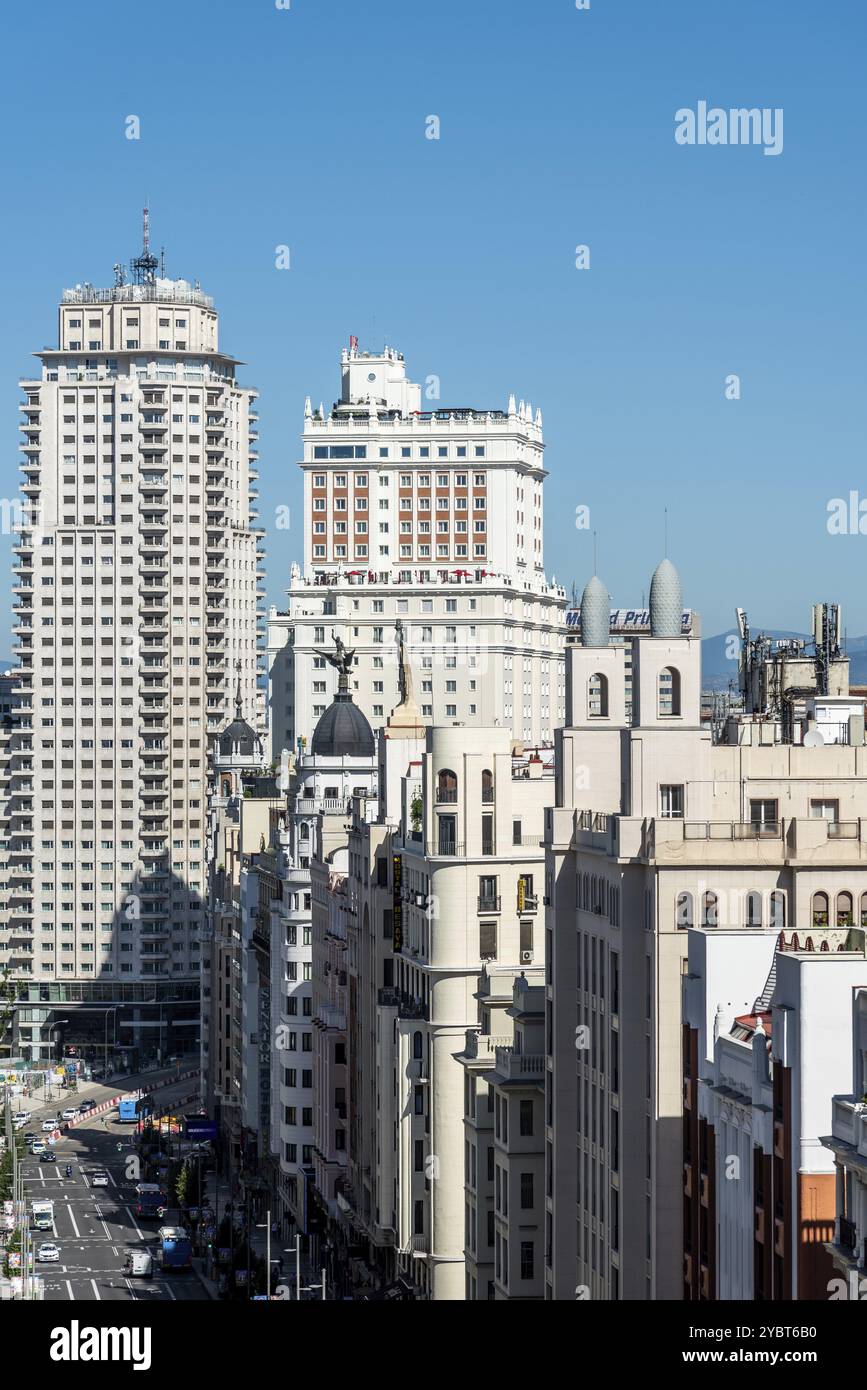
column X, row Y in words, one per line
column 435, row 518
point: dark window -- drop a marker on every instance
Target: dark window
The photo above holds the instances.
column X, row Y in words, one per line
column 526, row 1126
column 526, row 1191
column 527, row 1248
column 488, row 940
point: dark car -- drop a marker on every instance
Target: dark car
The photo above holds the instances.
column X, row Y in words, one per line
column 85, row 1106
column 29, row 1137
column 48, row 1157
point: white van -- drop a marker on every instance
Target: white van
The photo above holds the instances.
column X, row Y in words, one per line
column 139, row 1262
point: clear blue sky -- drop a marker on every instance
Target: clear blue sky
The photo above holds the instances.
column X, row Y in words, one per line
column 307, row 127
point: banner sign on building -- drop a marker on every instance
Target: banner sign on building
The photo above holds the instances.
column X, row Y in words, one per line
column 629, row 620
column 397, row 903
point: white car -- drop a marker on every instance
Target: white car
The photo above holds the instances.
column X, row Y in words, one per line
column 48, row 1253
column 21, row 1117
column 48, row 1125
column 38, row 1146
column 99, row 1179
column 70, row 1114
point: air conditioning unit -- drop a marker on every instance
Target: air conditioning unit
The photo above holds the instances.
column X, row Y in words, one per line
column 526, row 957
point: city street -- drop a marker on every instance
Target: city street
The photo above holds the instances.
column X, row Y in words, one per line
column 95, row 1228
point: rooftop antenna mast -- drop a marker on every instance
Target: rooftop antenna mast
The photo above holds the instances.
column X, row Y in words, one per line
column 144, row 267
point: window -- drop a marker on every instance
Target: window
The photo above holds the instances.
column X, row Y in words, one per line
column 754, row 909
column 597, row 696
column 683, row 912
column 778, row 910
column 446, row 834
column 820, row 910
column 671, row 802
column 487, row 785
column 525, row 1119
column 527, row 1249
column 488, row 940
column 709, row 910
column 447, row 786
column 825, row 810
column 668, row 690
column 526, row 1191
column 845, row 916
column 763, row 816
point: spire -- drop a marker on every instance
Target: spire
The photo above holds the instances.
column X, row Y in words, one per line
column 238, row 698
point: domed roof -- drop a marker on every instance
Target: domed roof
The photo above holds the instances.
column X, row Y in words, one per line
column 595, row 614
column 666, row 601
column 343, row 731
column 238, row 738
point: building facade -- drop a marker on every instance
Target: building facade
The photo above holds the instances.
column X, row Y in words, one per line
column 664, row 821
column 135, row 594
column 433, row 518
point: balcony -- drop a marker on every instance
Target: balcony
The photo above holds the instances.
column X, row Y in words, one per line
column 489, row 903
column 519, row 1066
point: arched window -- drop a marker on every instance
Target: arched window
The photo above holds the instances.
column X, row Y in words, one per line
column 597, row 696
column 447, row 786
column 417, row 1044
column 845, row 916
column 709, row 910
column 754, row 909
column 864, row 909
column 683, row 918
column 305, row 831
column 820, row 909
column 668, row 689
column 778, row 910
column 487, row 784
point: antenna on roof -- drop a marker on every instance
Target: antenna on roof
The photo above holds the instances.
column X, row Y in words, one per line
column 144, row 267
column 665, row 514
column 595, row 566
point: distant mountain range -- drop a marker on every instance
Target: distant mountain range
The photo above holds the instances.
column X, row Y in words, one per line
column 718, row 668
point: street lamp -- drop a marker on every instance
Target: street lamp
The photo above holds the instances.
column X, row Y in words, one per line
column 58, row 1024
column 112, row 1010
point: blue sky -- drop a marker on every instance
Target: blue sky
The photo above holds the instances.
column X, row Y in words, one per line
column 306, row 127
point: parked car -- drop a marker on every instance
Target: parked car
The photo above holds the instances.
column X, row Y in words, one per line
column 48, row 1253
column 49, row 1156
column 99, row 1179
column 70, row 1113
column 85, row 1106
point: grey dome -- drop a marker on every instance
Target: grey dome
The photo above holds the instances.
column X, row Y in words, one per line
column 343, row 731
column 595, row 614
column 666, row 601
column 238, row 738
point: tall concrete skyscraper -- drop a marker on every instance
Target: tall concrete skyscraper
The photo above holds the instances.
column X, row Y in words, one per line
column 135, row 600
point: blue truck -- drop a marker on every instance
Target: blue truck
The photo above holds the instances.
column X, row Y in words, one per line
column 151, row 1200
column 128, row 1107
column 176, row 1251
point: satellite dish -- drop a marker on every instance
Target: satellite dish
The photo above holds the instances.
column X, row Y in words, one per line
column 813, row 739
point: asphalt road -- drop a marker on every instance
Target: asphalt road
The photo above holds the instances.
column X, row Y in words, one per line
column 96, row 1227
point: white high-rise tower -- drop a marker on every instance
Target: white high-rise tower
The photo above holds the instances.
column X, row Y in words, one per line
column 135, row 598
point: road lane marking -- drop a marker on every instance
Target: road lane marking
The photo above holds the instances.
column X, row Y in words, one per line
column 132, row 1292
column 71, row 1294
column 72, row 1219
column 96, row 1291
column 134, row 1226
